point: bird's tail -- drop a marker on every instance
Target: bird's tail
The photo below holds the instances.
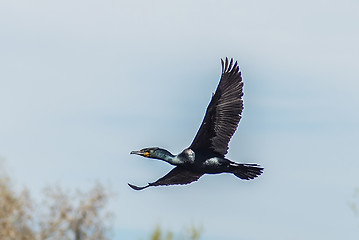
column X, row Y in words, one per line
column 246, row 171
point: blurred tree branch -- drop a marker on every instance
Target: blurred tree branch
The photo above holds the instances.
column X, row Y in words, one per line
column 75, row 216
column 15, row 213
column 61, row 216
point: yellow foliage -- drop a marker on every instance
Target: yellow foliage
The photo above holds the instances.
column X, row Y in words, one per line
column 15, row 213
column 62, row 216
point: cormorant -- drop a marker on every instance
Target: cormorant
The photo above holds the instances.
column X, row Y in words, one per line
column 207, row 152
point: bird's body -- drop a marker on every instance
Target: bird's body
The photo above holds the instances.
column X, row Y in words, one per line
column 206, row 154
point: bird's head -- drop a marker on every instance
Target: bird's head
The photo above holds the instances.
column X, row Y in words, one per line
column 153, row 152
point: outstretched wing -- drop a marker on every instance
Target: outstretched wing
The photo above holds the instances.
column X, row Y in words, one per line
column 223, row 112
column 178, row 175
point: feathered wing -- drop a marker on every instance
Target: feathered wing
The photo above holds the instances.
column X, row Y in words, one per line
column 223, row 112
column 246, row 171
column 177, row 175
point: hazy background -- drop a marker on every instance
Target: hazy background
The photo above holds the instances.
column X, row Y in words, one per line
column 82, row 83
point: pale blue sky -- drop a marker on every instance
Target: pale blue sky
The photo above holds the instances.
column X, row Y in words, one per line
column 82, row 83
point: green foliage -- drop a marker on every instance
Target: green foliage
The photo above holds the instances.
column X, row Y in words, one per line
column 157, row 234
column 192, row 233
column 354, row 203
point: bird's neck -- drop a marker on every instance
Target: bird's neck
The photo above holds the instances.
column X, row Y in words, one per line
column 186, row 157
column 167, row 157
column 170, row 159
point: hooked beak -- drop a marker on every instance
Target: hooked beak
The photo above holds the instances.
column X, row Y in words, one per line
column 137, row 152
column 145, row 154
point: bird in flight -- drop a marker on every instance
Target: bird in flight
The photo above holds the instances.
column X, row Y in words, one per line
column 207, row 152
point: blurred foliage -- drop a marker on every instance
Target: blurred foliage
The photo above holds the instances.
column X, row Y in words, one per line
column 16, row 221
column 354, row 203
column 61, row 215
column 75, row 216
column 192, row 233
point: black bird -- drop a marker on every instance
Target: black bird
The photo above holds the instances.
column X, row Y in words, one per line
column 207, row 151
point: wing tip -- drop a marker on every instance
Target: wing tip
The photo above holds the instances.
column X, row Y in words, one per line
column 136, row 187
column 228, row 66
